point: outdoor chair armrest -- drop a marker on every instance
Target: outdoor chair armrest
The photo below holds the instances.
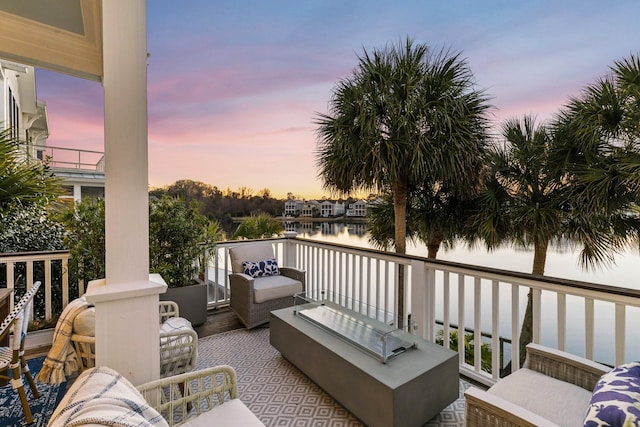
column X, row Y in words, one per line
column 485, row 409
column 565, row 367
column 242, row 285
column 187, row 395
column 294, row 273
column 241, row 276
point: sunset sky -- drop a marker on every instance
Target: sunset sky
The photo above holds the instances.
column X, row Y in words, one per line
column 234, row 87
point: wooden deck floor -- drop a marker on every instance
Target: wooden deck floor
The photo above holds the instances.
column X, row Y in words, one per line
column 218, row 321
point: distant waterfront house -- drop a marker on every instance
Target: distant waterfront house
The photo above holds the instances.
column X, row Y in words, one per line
column 358, row 209
column 310, row 209
column 293, row 207
column 81, row 171
column 329, row 208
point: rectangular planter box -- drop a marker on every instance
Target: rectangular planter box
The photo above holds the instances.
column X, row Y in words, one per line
column 192, row 301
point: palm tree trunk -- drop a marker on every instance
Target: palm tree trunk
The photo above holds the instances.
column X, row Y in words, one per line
column 399, row 190
column 526, row 334
column 433, row 244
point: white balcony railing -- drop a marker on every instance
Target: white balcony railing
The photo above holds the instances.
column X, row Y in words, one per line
column 582, row 318
column 442, row 297
column 49, row 268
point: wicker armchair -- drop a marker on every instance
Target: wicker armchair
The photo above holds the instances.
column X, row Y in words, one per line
column 101, row 396
column 178, row 343
column 212, row 389
column 553, row 388
column 253, row 298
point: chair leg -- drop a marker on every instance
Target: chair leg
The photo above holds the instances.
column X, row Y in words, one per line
column 18, row 385
column 27, row 373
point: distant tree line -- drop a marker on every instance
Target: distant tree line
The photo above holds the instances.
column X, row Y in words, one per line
column 223, row 205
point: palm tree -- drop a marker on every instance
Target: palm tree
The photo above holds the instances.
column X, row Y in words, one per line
column 598, row 150
column 435, row 217
column 258, row 226
column 406, row 113
column 530, row 202
column 22, row 181
column 522, row 203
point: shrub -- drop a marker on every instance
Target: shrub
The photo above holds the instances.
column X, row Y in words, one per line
column 29, row 228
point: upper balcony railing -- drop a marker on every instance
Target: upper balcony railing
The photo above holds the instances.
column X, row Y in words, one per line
column 68, row 158
column 442, row 298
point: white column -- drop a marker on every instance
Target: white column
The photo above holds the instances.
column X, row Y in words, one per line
column 127, row 335
column 77, row 192
column 125, row 134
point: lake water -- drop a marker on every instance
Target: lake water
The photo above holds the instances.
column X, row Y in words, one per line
column 561, row 263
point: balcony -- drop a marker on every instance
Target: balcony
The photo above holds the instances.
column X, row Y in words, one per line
column 69, row 159
column 440, row 298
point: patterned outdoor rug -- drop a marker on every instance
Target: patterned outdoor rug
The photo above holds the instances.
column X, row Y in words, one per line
column 278, row 393
column 11, row 414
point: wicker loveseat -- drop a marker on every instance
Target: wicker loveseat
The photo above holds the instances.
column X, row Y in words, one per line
column 259, row 285
column 553, row 388
column 101, row 396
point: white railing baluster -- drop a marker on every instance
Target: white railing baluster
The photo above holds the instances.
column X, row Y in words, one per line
column 334, row 279
column 431, row 303
column 10, row 280
column 29, row 277
column 446, row 313
column 47, row 289
column 562, row 319
column 461, row 308
column 495, row 329
column 387, row 308
column 361, row 282
column 316, row 270
column 369, row 300
column 515, row 327
column 354, row 279
column 477, row 324
column 537, row 315
column 379, row 290
column 589, row 327
column 65, row 282
column 620, row 333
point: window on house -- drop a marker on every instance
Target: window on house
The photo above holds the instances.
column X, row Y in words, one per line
column 14, row 116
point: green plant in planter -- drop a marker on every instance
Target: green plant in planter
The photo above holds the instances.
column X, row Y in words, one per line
column 179, row 235
column 85, row 239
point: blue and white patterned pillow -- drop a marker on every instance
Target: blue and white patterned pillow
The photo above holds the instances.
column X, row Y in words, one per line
column 261, row 268
column 616, row 398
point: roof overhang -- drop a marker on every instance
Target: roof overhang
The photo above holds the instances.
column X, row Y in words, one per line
column 59, row 35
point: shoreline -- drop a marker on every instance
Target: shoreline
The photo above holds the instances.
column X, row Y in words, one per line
column 346, row 220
